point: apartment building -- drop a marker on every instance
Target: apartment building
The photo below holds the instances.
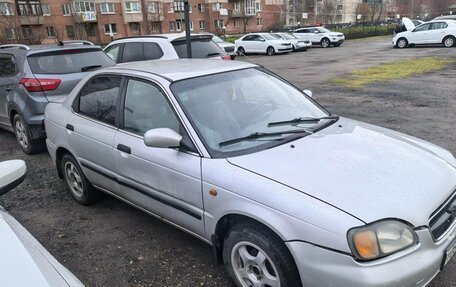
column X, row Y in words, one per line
column 100, row 21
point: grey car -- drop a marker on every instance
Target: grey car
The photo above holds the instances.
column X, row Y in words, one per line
column 32, row 76
column 286, row 193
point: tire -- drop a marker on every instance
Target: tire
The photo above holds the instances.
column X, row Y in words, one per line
column 76, row 182
column 240, row 51
column 233, row 57
column 402, row 43
column 325, row 43
column 24, row 136
column 270, row 260
column 449, row 41
column 270, row 51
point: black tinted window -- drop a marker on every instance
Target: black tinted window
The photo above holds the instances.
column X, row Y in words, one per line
column 68, row 61
column 146, row 108
column 7, row 66
column 201, row 48
column 152, row 51
column 248, row 38
column 98, row 99
column 133, row 52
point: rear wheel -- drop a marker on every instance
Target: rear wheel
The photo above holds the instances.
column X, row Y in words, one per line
column 255, row 256
column 24, row 136
column 270, row 51
column 325, row 43
column 402, row 43
column 241, row 51
column 449, row 41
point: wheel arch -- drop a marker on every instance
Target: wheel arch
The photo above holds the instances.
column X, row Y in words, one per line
column 448, row 36
column 59, row 153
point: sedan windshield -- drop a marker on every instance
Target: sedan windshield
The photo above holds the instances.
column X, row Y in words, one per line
column 233, row 111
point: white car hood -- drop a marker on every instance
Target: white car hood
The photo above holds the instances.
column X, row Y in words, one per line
column 367, row 171
column 408, row 24
column 24, row 262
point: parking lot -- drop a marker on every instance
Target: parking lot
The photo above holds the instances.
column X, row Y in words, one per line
column 113, row 244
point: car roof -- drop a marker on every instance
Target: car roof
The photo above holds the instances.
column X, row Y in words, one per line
column 169, row 37
column 179, row 69
column 33, row 49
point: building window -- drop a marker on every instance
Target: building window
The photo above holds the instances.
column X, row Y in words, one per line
column 171, row 8
column 66, row 10
column 178, row 25
column 249, row 8
column 259, row 21
column 6, row 9
column 237, row 6
column 340, row 7
column 110, row 29
column 179, row 6
column 84, row 6
column 172, row 26
column 46, row 10
column 258, row 7
column 29, row 8
column 70, row 31
column 50, row 31
column 27, row 32
column 10, row 33
column 191, row 25
column 132, row 7
column 216, row 6
column 107, row 8
column 135, row 27
column 202, row 25
column 218, row 24
column 154, row 7
column 235, row 22
column 201, row 7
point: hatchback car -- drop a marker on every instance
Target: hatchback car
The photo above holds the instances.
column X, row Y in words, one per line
column 433, row 32
column 320, row 36
column 285, row 192
column 163, row 47
column 30, row 77
column 263, row 43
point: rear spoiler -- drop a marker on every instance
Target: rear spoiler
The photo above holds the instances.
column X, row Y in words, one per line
column 193, row 37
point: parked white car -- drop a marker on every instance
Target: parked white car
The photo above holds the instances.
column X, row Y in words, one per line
column 298, row 44
column 262, row 43
column 320, row 36
column 433, row 32
column 228, row 47
column 23, row 260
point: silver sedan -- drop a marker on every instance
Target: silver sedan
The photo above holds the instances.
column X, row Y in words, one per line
column 287, row 193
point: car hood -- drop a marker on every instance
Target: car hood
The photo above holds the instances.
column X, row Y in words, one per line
column 335, row 34
column 408, row 24
column 24, row 262
column 369, row 172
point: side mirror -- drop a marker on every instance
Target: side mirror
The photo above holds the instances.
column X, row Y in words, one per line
column 316, row 32
column 308, row 93
column 12, row 173
column 162, row 138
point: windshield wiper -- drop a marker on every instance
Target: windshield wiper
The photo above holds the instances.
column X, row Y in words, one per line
column 303, row 120
column 257, row 135
column 86, row 68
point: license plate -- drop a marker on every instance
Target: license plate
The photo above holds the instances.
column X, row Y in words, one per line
column 449, row 253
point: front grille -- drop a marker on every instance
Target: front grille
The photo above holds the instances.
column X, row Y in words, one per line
column 443, row 218
column 229, row 49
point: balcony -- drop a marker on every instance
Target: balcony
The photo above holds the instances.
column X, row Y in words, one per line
column 155, row 17
column 241, row 14
column 31, row 20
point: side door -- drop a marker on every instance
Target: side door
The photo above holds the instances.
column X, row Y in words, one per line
column 163, row 181
column 247, row 43
column 420, row 35
column 91, row 128
column 8, row 82
column 438, row 31
column 260, row 44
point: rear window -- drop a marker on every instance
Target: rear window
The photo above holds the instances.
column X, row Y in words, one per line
column 201, row 48
column 68, row 61
column 139, row 51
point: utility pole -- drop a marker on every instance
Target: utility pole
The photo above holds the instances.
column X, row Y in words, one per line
column 187, row 28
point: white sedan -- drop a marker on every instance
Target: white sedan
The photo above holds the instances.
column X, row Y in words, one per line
column 297, row 44
column 433, row 32
column 262, row 43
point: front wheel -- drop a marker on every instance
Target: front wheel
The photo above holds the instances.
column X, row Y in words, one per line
column 241, row 51
column 325, row 43
column 402, row 43
column 449, row 42
column 270, row 51
column 255, row 256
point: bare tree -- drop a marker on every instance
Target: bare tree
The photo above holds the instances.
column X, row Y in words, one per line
column 328, row 11
column 440, row 7
column 244, row 9
column 153, row 15
column 17, row 28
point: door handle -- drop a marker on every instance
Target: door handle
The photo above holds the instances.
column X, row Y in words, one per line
column 124, row 148
column 70, row 127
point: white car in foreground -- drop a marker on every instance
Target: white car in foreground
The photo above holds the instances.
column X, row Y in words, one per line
column 23, row 260
column 320, row 36
column 298, row 44
column 433, row 32
column 262, row 43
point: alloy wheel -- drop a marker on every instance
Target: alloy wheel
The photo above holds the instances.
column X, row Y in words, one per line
column 325, row 43
column 21, row 134
column 402, row 43
column 74, row 179
column 449, row 42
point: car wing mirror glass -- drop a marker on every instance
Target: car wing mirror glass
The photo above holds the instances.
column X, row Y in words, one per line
column 308, row 93
column 162, row 138
column 12, row 173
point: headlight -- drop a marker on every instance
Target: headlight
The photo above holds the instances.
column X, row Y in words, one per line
column 380, row 239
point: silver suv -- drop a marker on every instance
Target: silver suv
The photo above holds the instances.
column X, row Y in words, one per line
column 30, row 77
column 163, row 47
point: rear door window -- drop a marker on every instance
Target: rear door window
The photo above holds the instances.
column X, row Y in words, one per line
column 141, row 51
column 113, row 52
column 99, row 99
column 152, row 51
column 68, row 61
column 7, row 65
column 201, row 48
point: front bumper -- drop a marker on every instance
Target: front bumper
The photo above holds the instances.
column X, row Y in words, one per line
column 337, row 40
column 284, row 50
column 415, row 266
